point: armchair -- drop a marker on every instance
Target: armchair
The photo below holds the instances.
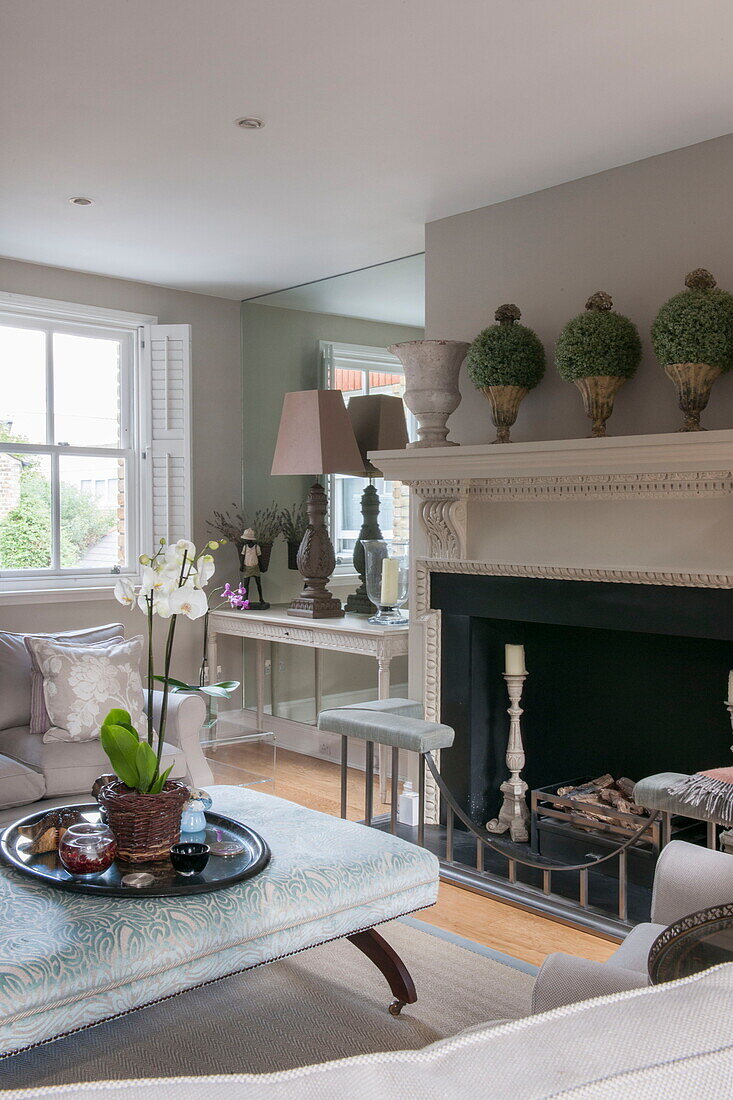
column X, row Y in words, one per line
column 687, row 878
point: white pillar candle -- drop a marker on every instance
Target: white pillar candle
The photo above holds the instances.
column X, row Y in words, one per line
column 730, row 686
column 390, row 576
column 514, row 660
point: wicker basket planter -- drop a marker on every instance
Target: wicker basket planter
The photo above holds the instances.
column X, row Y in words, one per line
column 144, row 825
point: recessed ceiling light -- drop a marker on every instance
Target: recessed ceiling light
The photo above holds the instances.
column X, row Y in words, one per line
column 249, row 122
column 80, row 200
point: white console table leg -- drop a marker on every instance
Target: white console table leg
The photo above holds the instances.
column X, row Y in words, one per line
column 383, row 685
column 212, row 659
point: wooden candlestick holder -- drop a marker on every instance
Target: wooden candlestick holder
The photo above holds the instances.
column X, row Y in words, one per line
column 316, row 563
column 514, row 812
column 359, row 602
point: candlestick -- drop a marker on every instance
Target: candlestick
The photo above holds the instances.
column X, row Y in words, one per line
column 514, row 814
column 514, row 660
column 730, row 686
column 390, row 576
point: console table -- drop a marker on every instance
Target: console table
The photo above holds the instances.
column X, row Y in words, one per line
column 352, row 634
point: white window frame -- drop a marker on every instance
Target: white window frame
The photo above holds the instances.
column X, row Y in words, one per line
column 358, row 357
column 23, row 311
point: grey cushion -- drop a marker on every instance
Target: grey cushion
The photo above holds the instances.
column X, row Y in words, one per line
column 71, row 767
column 19, row 784
column 387, row 725
column 653, row 793
column 633, row 953
column 15, row 669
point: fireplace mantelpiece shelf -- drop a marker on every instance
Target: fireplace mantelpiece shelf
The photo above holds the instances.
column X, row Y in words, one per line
column 648, row 510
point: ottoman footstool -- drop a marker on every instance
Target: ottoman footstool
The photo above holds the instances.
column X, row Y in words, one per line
column 68, row 960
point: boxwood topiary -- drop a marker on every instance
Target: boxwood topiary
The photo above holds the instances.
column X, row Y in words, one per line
column 598, row 342
column 696, row 326
column 506, row 354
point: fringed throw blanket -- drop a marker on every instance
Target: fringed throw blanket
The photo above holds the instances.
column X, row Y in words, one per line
column 710, row 792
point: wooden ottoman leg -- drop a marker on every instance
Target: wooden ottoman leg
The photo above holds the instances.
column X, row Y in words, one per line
column 386, row 959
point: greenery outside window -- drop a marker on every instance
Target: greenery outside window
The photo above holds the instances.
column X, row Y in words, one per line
column 69, row 450
column 355, row 370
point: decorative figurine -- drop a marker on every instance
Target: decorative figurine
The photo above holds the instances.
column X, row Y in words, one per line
column 250, row 569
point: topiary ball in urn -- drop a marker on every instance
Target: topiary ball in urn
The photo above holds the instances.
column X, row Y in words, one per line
column 505, row 362
column 692, row 337
column 598, row 350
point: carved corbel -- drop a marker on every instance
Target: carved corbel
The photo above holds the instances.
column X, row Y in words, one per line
column 445, row 524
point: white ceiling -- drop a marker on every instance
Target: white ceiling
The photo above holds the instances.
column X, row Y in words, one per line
column 393, row 292
column 381, row 115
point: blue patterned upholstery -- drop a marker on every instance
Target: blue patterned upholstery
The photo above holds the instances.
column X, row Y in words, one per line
column 395, row 722
column 69, row 960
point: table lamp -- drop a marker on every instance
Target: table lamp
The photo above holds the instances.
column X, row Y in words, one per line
column 315, row 437
column 378, row 421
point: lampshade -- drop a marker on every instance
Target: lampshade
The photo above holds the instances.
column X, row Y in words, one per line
column 379, row 424
column 315, row 436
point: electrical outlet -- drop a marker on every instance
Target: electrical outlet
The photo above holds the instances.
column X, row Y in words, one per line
column 268, row 667
column 325, row 747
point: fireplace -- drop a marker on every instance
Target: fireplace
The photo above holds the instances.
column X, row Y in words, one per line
column 627, row 679
column 610, row 561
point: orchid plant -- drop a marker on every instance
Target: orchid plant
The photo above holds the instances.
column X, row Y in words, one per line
column 173, row 583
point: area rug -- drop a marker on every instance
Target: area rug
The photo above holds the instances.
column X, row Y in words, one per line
column 329, row 1002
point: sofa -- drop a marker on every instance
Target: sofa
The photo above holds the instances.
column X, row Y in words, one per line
column 673, row 1040
column 35, row 774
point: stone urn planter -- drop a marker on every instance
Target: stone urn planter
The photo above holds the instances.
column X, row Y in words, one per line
column 598, row 350
column 431, row 386
column 692, row 336
column 505, row 362
column 598, row 395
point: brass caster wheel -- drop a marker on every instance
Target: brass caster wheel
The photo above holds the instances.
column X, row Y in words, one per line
column 396, row 1007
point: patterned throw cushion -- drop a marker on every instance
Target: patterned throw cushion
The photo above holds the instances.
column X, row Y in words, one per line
column 82, row 683
column 40, row 721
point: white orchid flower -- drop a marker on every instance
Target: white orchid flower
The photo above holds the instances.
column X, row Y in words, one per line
column 158, row 581
column 125, row 591
column 174, row 553
column 161, row 603
column 204, row 570
column 189, row 601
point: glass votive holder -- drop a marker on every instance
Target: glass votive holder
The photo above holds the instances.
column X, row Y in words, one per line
column 386, row 575
column 87, row 849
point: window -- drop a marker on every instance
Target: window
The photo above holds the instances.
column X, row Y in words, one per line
column 93, row 442
column 357, row 370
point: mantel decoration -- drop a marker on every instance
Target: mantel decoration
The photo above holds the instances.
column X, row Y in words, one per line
column 505, row 362
column 315, row 437
column 379, row 424
column 431, row 385
column 598, row 350
column 514, row 814
column 143, row 806
column 692, row 337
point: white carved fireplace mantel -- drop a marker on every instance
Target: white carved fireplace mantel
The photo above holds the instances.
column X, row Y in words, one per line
column 654, row 509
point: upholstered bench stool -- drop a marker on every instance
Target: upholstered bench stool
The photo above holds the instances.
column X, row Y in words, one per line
column 70, row 960
column 653, row 793
column 398, row 723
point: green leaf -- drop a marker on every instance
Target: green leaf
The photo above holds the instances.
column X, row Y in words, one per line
column 159, row 783
column 173, row 684
column 147, row 765
column 118, row 717
column 230, row 685
column 120, row 745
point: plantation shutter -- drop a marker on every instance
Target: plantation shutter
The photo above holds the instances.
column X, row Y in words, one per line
column 167, row 351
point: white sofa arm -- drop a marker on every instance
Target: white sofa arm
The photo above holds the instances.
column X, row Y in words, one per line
column 183, row 724
column 689, row 877
column 565, row 979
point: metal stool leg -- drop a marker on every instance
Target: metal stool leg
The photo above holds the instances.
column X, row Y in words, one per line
column 369, row 782
column 395, row 785
column 344, row 773
column 421, row 803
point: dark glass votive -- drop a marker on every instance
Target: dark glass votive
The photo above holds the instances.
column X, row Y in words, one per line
column 189, row 857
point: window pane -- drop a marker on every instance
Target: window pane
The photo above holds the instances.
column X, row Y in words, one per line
column 92, row 495
column 86, row 373
column 25, row 511
column 22, row 385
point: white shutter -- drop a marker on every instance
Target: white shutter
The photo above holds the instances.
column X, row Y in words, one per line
column 168, row 449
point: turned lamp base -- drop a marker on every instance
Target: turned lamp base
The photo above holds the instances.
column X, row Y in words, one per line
column 316, row 563
column 358, row 602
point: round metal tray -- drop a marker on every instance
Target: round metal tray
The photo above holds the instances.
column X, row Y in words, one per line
column 694, row 943
column 219, row 872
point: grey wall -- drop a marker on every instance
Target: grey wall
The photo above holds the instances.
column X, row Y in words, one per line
column 281, row 353
column 634, row 231
column 217, row 427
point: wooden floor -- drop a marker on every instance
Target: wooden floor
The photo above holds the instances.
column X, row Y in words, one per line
column 316, row 784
